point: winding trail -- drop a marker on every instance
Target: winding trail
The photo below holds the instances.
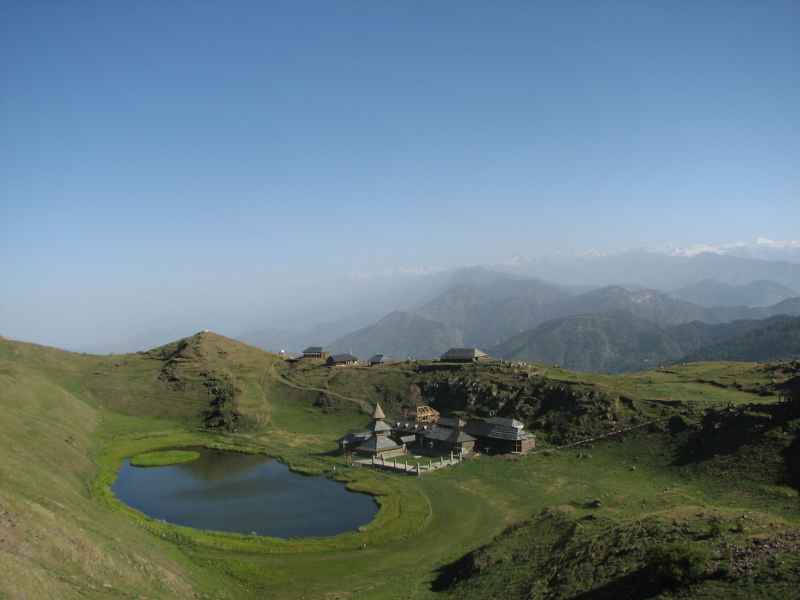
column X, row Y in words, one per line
column 599, row 437
column 271, row 372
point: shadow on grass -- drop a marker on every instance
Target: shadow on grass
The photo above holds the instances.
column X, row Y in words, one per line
column 638, row 584
column 727, row 431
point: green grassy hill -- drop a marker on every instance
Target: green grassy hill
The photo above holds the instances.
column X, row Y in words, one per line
column 68, row 420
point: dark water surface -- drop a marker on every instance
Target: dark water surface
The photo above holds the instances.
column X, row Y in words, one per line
column 244, row 493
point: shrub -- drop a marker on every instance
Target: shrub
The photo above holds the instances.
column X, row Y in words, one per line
column 677, row 563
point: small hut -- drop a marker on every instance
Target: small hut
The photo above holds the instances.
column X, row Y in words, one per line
column 316, row 352
column 502, row 435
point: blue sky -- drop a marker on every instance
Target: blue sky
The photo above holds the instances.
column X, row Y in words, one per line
column 156, row 151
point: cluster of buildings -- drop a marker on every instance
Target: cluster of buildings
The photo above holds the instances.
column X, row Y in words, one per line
column 439, row 435
column 422, row 429
column 336, row 360
column 453, row 355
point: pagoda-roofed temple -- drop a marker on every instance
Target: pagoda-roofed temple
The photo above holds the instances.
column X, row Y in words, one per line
column 379, row 443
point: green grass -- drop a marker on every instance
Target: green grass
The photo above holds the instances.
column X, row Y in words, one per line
column 704, row 384
column 163, row 458
column 70, row 420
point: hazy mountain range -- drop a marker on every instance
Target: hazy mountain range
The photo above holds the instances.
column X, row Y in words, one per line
column 657, row 270
column 596, row 313
column 611, row 328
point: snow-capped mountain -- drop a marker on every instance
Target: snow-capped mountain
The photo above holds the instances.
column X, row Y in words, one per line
column 762, row 248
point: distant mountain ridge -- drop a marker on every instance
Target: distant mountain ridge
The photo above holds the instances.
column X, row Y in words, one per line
column 621, row 341
column 485, row 309
column 486, row 313
column 616, row 341
column 775, row 339
column 400, row 335
column 713, row 293
column 656, row 269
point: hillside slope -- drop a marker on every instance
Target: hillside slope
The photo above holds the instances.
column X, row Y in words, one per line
column 69, row 420
column 695, row 552
column 620, row 341
column 56, row 540
column 612, row 342
column 776, row 338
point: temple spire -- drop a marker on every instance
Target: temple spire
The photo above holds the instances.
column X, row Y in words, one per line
column 378, row 412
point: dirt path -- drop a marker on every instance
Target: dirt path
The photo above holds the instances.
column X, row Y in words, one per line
column 600, row 436
column 271, row 372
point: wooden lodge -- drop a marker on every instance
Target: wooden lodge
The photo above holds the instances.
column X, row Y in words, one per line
column 315, row 352
column 341, row 360
column 447, row 435
column 501, row 435
column 496, row 435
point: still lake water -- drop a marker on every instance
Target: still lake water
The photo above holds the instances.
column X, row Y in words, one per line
column 243, row 493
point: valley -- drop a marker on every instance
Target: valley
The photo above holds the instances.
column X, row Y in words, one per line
column 453, row 533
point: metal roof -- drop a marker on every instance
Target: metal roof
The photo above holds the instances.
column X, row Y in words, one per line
column 378, row 443
column 357, row 436
column 463, row 354
column 379, row 426
column 377, row 358
column 505, row 422
column 445, row 434
column 313, row 350
column 451, row 422
column 497, row 431
column 342, row 358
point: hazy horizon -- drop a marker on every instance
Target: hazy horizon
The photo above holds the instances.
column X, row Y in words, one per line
column 170, row 168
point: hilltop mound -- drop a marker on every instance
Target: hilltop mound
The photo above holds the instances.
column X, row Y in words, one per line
column 229, row 372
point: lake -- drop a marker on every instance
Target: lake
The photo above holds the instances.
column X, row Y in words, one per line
column 243, row 493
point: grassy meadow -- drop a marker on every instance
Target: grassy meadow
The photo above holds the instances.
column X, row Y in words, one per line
column 69, row 420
